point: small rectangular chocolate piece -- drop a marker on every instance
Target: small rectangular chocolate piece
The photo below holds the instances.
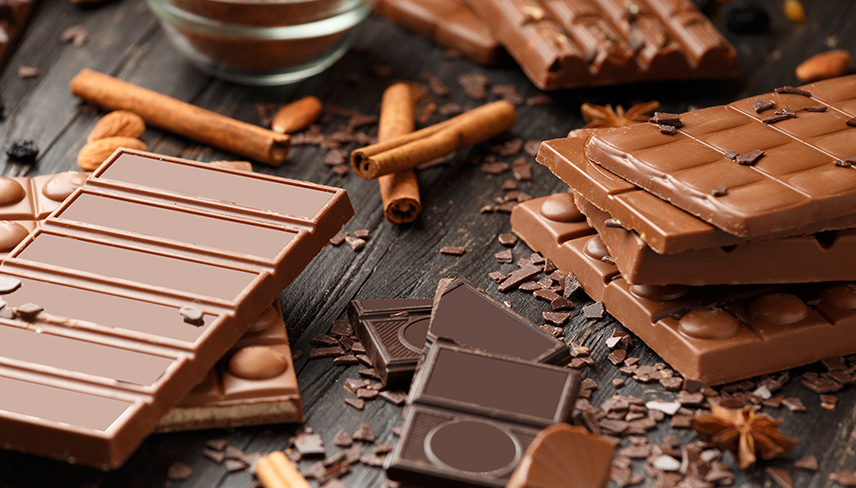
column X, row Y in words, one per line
column 663, row 226
column 138, row 283
column 468, row 316
column 254, row 383
column 826, row 256
column 471, row 414
column 449, row 23
column 714, row 334
column 565, row 44
column 393, row 333
column 793, row 183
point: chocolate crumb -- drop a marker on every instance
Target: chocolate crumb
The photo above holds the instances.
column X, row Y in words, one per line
column 761, row 105
column 453, row 250
column 540, row 99
column 474, row 85
column 179, row 471
column 664, row 118
column 719, row 192
column 807, row 462
column 357, row 403
column 794, row 404
column 213, row 455
column 669, row 130
column 750, row 158
column 852, row 122
column 557, row 318
column 217, row 444
column 792, row 91
column 731, row 154
column 355, row 243
column 593, row 311
column 343, row 439
column 235, row 465
column 76, row 34
column 435, row 84
column 8, row 285
column 394, row 397
column 521, row 169
column 507, row 239
column 364, row 433
column 368, row 372
column 815, row 108
column 25, row 72
column 341, row 169
column 338, row 238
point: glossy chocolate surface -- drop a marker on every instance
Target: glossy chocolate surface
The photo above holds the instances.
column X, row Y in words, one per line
column 105, row 328
column 468, row 316
column 715, row 334
column 563, row 44
column 793, row 184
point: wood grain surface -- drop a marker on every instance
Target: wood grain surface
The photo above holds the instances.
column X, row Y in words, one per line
column 126, row 41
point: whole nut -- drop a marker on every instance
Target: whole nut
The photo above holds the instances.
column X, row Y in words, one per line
column 257, row 363
column 95, row 152
column 825, row 65
column 120, row 123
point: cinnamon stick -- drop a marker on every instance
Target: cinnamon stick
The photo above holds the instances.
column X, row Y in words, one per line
column 411, row 150
column 276, row 471
column 399, row 191
column 182, row 118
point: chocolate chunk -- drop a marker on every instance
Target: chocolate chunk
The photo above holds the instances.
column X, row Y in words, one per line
column 807, row 462
column 213, row 455
column 553, row 331
column 235, row 465
column 750, row 158
column 343, row 439
column 326, row 352
column 571, row 285
column 530, row 286
column 341, row 170
column 357, row 403
column 9, row 284
column 364, row 433
column 663, row 118
column 549, row 267
column 509, row 94
column 594, row 310
column 668, row 129
column 435, row 84
column 355, row 243
column 518, row 276
column 773, row 119
column 309, row 444
column 347, row 359
column 498, row 276
column 521, row 169
column 179, row 471
column 815, row 108
column 508, row 185
column 361, row 233
column 844, row 478
column 369, row 372
column 731, row 154
column 453, row 250
column 617, row 356
column 394, row 397
column 558, row 318
column 719, row 192
column 761, row 105
column 561, row 303
column 792, row 91
column 474, row 85
column 218, row 444
column 366, row 394
column 494, row 168
column 338, row 238
column 29, row 310
column 324, row 340
column 507, row 239
column 341, row 328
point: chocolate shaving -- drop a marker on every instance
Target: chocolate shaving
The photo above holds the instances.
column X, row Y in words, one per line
column 852, row 122
column 750, row 158
column 507, row 239
column 792, row 91
column 357, row 403
column 394, row 397
column 664, row 118
column 761, row 105
column 338, row 238
column 669, row 130
column 179, row 471
column 719, row 192
column 593, row 311
column 364, row 433
column 453, row 250
column 815, row 108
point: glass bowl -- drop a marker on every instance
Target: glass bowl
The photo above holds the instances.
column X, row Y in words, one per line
column 261, row 42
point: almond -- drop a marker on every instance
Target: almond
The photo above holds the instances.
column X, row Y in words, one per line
column 297, row 115
column 94, row 153
column 825, row 65
column 120, row 123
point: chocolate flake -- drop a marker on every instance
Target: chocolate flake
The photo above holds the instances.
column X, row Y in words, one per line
column 815, row 108
column 844, row 478
column 217, row 444
column 213, row 455
column 29, row 310
column 343, row 439
column 323, row 340
column 750, row 158
column 8, row 285
column 761, row 105
column 775, row 118
column 852, row 122
column 807, row 462
column 364, row 433
column 453, row 250
column 507, row 239
column 719, row 192
column 338, row 238
column 341, row 328
column 368, row 372
column 593, row 311
column 792, row 91
column 357, row 403
column 326, row 352
column 361, row 233
column 394, row 397
column 731, row 154
column 669, row 130
column 494, row 168
column 347, row 359
column 571, row 285
column 518, row 276
column 521, row 169
column 474, row 85
column 355, row 243
column 235, row 465
column 557, row 318
column 179, row 471
column 664, row 118
column 498, row 276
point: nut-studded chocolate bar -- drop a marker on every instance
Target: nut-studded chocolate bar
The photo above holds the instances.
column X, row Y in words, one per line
column 450, row 23
column 254, row 383
column 569, row 43
column 741, row 170
column 715, row 334
column 134, row 287
column 471, row 415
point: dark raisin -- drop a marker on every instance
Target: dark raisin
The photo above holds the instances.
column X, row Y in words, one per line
column 22, row 150
column 745, row 17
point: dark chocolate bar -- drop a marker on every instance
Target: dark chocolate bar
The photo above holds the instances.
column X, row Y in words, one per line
column 393, row 334
column 826, row 256
column 449, row 23
column 134, row 287
column 468, row 316
column 14, row 17
column 471, row 415
column 714, row 334
column 735, row 169
column 569, row 43
column 254, row 383
column 663, row 226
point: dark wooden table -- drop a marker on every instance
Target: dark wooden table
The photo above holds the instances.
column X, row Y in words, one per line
column 126, row 41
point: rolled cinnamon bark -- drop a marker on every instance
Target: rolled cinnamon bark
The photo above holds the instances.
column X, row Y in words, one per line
column 399, row 191
column 411, row 150
column 182, row 118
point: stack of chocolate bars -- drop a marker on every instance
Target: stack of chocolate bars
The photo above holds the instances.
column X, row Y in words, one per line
column 486, row 382
column 564, row 44
column 123, row 299
column 723, row 237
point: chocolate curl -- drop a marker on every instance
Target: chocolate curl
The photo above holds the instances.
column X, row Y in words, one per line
column 399, row 191
column 182, row 118
column 411, row 150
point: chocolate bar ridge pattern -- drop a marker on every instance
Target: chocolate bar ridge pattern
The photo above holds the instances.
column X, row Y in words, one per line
column 133, row 312
column 564, row 44
column 705, row 333
column 795, row 181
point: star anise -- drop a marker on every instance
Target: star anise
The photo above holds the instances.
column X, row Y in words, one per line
column 605, row 116
column 743, row 432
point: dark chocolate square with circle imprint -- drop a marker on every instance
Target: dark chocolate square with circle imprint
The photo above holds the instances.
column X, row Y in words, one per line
column 393, row 333
column 471, row 415
column 468, row 316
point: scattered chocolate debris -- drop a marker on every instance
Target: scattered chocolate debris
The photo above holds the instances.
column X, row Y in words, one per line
column 217, row 444
column 750, row 158
column 8, row 285
column 557, row 318
column 397, row 430
column 507, row 239
column 761, row 105
column 508, row 93
column 323, row 340
column 498, row 276
column 341, row 169
column 807, row 462
column 664, row 118
column 731, row 154
column 357, row 403
column 435, row 84
column 355, row 243
column 364, row 433
column 343, row 439
column 341, row 328
column 719, row 192
column 76, row 34
column 571, row 285
column 338, row 238
column 540, row 99
column 235, row 465
column 668, row 129
column 366, row 394
column 844, row 478
column 474, row 85
column 780, row 476
column 450, row 109
column 326, row 352
column 494, row 168
column 518, row 276
column 394, row 397
column 308, row 443
column 521, row 169
column 531, row 147
column 852, row 122
column 815, row 108
column 453, row 250
column 25, row 72
column 29, row 310
column 593, row 311
column 368, row 372
column 347, row 359
column 792, row 91
column 213, row 455
column 551, row 330
column 179, row 471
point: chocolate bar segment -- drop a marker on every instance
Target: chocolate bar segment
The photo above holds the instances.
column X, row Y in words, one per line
column 472, row 414
column 664, row 227
column 790, row 181
column 121, row 322
column 824, row 256
column 254, row 383
column 393, row 333
column 468, row 316
column 714, row 334
column 450, row 23
column 569, row 43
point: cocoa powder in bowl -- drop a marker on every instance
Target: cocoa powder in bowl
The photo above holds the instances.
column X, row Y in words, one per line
column 270, row 13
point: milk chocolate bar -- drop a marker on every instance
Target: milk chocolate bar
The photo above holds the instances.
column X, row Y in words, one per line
column 132, row 290
column 663, row 226
column 468, row 316
column 714, row 334
column 826, row 256
column 393, row 334
column 449, row 23
column 471, row 415
column 14, row 17
column 254, row 383
column 570, row 43
column 748, row 172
